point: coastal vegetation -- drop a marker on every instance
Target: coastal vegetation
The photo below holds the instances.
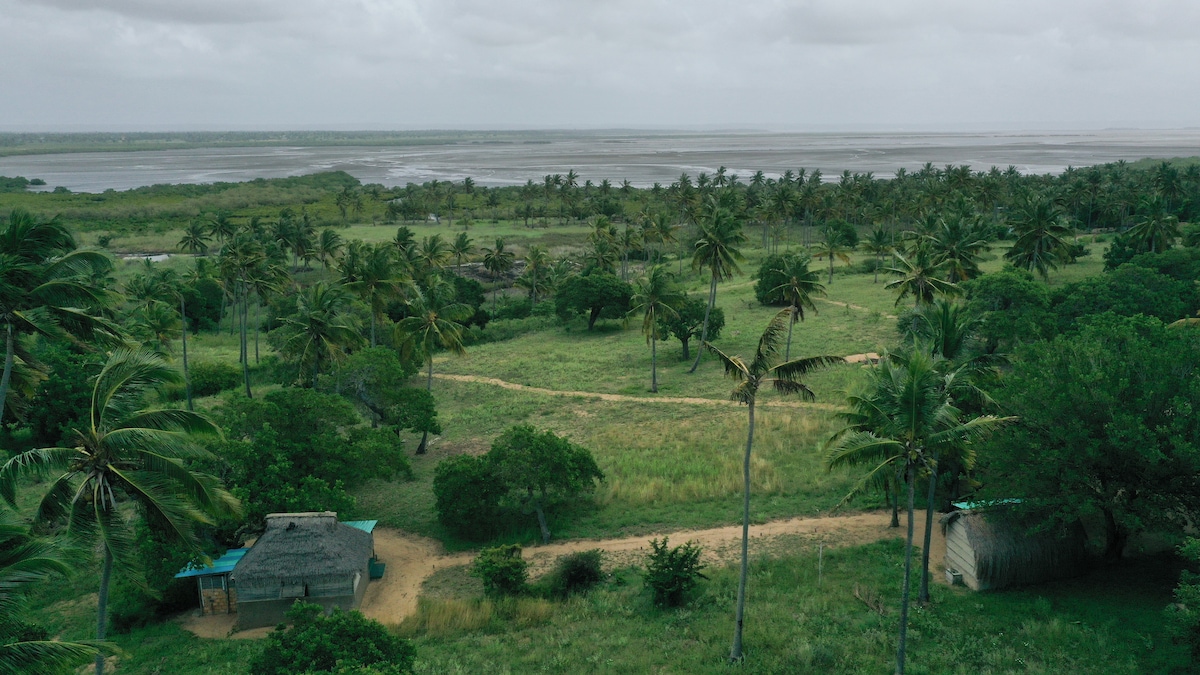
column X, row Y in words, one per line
column 482, row 367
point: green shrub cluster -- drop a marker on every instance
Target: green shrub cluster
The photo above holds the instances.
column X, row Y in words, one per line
column 671, row 572
column 341, row 642
column 210, row 378
column 502, row 570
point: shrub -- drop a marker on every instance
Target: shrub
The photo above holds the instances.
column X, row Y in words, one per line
column 467, row 496
column 672, row 571
column 210, row 378
column 1183, row 617
column 502, row 570
column 342, row 642
column 574, row 573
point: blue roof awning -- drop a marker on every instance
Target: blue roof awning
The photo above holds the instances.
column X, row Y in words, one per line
column 365, row 525
column 222, row 565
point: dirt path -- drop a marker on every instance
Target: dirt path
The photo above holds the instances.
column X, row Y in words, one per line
column 678, row 400
column 851, row 306
column 412, row 560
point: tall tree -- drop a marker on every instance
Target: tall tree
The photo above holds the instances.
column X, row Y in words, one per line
column 901, row 424
column 798, row 289
column 461, row 248
column 372, row 274
column 1041, row 243
column 125, row 455
column 195, row 239
column 785, row 377
column 321, row 330
column 831, row 245
column 920, row 277
column 434, row 322
column 655, row 298
column 45, row 288
column 717, row 251
column 498, row 261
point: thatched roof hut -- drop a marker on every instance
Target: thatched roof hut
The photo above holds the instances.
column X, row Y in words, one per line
column 308, row 556
column 991, row 552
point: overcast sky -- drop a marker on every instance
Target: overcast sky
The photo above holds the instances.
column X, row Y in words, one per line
column 400, row 64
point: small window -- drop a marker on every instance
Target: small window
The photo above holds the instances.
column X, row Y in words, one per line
column 292, row 591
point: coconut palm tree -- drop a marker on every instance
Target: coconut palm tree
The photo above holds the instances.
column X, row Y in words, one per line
column 717, row 251
column 434, row 322
column 902, row 424
column 785, row 377
column 25, row 560
column 322, row 329
column 798, row 290
column 125, row 455
column 194, row 240
column 373, row 275
column 46, row 288
column 536, row 276
column 329, row 245
column 1041, row 243
column 498, row 261
column 878, row 243
column 1156, row 229
column 221, row 226
column 920, row 277
column 655, row 298
column 832, row 244
column 955, row 244
column 434, row 254
column 461, row 248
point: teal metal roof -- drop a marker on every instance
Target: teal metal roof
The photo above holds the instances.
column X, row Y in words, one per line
column 364, row 525
column 974, row 506
column 222, row 565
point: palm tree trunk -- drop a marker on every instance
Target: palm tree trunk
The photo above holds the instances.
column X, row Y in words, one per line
column 541, row 517
column 102, row 605
column 712, row 299
column 372, row 328
column 257, row 328
column 428, row 387
column 653, row 365
column 6, row 379
column 246, row 346
column 923, row 595
column 831, row 267
column 894, row 489
column 904, row 596
column 187, row 380
column 735, row 654
column 787, row 352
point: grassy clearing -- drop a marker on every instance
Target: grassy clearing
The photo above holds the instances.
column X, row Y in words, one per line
column 1107, row 623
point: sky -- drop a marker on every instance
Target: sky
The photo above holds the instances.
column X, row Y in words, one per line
column 444, row 64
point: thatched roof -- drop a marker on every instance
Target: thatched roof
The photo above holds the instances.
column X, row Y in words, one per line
column 298, row 546
column 1006, row 554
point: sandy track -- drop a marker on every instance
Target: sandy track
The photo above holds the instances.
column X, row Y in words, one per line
column 852, row 306
column 412, row 560
column 677, row 400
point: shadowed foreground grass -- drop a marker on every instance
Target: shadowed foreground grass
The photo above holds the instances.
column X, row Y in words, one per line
column 1108, row 623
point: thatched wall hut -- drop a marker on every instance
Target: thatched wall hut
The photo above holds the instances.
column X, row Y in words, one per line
column 991, row 553
column 302, row 556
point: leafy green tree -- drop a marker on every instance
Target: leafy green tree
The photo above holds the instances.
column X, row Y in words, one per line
column 1108, row 429
column 374, row 379
column 655, row 298
column 319, row 643
column 1183, row 617
column 434, row 322
column 321, row 330
column 717, row 251
column 598, row 294
column 45, row 289
column 1013, row 308
column 125, row 455
column 467, row 496
column 1041, row 244
column 797, row 289
column 539, row 468
column 785, row 377
column 502, row 570
column 688, row 321
column 498, row 261
column 26, row 560
column 59, row 408
column 1127, row 291
column 904, row 421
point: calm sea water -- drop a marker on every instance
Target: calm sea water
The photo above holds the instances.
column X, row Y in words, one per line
column 640, row 158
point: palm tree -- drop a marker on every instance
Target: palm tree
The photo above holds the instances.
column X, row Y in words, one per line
column 194, row 240
column 1041, row 243
column 125, row 455
column 25, row 560
column 797, row 291
column 655, row 298
column 1157, row 229
column 45, row 288
column 717, row 251
column 329, row 244
column 786, row 378
column 878, row 243
column 461, row 248
column 497, row 261
column 832, row 244
column 535, row 278
column 434, row 254
column 221, row 226
column 955, row 245
column 372, row 274
column 920, row 277
column 434, row 322
column 321, row 330
column 902, row 423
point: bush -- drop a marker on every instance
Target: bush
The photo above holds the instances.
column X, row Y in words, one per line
column 574, row 573
column 343, row 642
column 1183, row 617
column 672, row 572
column 210, row 378
column 502, row 570
column 467, row 496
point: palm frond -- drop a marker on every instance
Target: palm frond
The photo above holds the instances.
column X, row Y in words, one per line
column 32, row 463
column 735, row 367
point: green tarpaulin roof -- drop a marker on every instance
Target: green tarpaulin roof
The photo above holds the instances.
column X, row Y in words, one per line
column 364, row 525
column 222, row 565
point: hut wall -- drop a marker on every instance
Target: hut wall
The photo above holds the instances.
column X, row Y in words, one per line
column 261, row 613
column 959, row 554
